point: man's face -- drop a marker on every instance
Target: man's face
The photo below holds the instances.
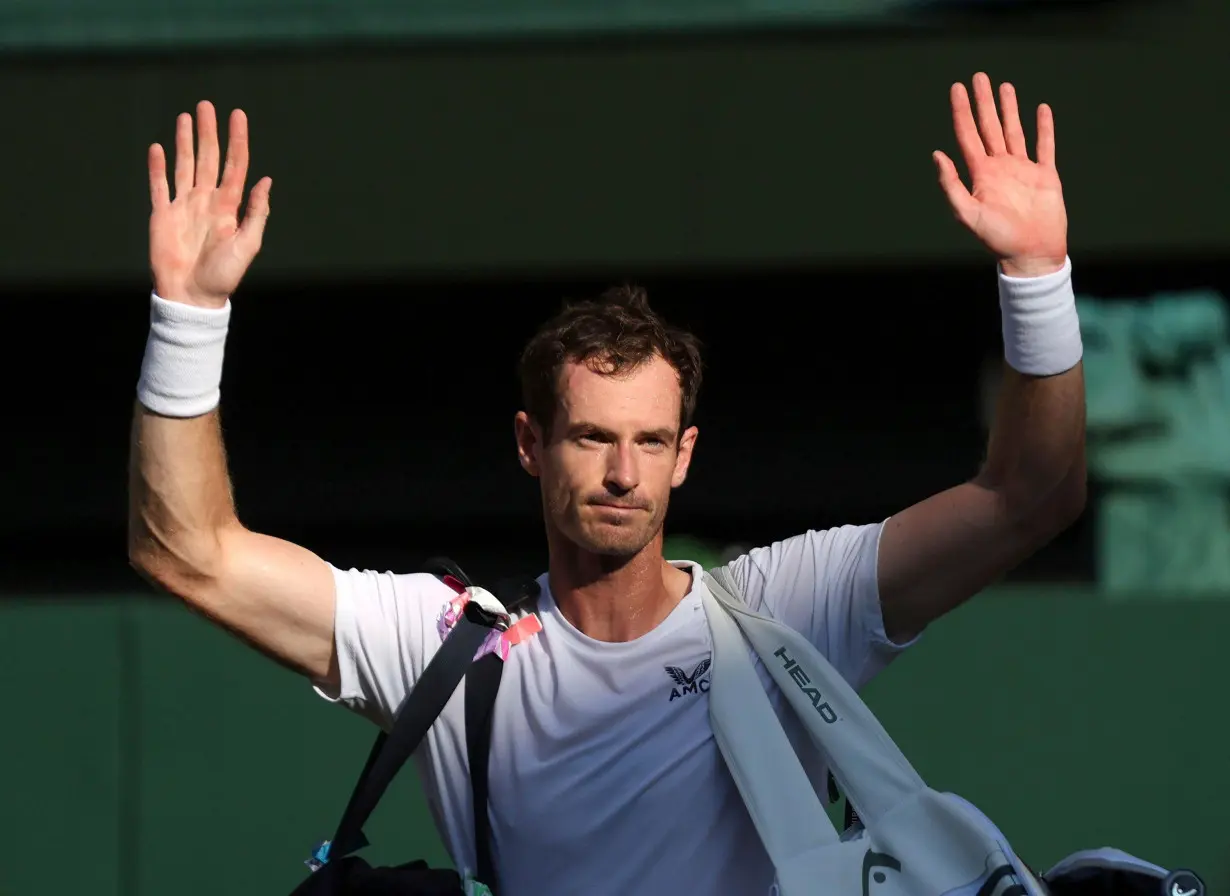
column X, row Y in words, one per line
column 613, row 456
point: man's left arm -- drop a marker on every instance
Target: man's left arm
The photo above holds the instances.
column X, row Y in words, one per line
column 940, row 552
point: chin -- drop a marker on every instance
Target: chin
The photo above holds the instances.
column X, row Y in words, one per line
column 613, row 541
column 613, row 547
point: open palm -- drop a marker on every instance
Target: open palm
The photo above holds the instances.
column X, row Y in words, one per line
column 199, row 250
column 1015, row 206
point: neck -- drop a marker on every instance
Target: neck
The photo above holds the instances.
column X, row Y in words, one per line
column 614, row 598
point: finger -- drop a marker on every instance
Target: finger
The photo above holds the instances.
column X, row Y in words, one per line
column 183, row 154
column 964, row 128
column 1014, row 134
column 964, row 206
column 236, row 170
column 159, row 192
column 1046, row 136
column 988, row 118
column 252, row 230
column 206, row 145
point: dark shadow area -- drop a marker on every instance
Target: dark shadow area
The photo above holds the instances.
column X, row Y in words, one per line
column 372, row 421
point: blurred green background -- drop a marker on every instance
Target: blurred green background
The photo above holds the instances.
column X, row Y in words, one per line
column 146, row 753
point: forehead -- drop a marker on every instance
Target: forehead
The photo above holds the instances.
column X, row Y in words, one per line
column 646, row 396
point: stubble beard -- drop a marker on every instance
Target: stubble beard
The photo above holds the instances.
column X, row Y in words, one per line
column 617, row 539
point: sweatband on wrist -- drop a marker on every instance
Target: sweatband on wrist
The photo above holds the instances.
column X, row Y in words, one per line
column 1042, row 332
column 181, row 373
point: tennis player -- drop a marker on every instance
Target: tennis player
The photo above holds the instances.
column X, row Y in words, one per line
column 605, row 777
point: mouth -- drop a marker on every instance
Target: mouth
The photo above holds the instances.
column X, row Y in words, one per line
column 620, row 508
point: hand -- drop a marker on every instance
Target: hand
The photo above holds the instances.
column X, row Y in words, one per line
column 1016, row 207
column 198, row 250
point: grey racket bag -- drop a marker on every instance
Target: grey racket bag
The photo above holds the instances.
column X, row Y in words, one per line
column 910, row 840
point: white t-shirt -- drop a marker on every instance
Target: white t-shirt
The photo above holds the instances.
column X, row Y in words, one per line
column 604, row 774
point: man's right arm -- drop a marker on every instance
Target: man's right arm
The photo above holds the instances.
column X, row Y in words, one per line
column 184, row 534
column 185, row 537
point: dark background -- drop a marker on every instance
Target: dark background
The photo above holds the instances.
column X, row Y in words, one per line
column 370, row 420
column 435, row 199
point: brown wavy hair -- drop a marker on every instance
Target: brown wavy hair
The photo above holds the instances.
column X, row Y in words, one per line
column 614, row 333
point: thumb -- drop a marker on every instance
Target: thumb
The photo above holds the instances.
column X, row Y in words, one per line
column 252, row 229
column 964, row 206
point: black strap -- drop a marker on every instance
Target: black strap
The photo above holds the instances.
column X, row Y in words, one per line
column 417, row 714
column 482, row 685
column 849, row 816
column 423, row 705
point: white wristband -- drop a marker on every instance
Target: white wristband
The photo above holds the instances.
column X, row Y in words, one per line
column 182, row 369
column 1042, row 332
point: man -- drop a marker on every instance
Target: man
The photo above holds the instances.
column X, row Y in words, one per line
column 604, row 772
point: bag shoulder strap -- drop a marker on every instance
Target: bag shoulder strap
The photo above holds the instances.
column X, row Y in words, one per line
column 482, row 685
column 850, row 817
column 872, row 771
column 785, row 810
column 418, row 712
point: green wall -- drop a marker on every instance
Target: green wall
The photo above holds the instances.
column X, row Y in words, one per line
column 139, row 24
column 140, row 745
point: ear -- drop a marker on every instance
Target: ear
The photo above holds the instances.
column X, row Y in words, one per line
column 529, row 442
column 684, row 458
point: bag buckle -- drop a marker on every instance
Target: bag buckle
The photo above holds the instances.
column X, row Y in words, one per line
column 480, row 615
column 320, row 856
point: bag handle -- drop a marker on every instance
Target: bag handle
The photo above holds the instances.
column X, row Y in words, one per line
column 873, row 773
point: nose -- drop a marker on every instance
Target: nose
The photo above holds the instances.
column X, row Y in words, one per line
column 622, row 475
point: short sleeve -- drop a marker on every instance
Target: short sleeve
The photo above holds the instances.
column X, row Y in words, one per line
column 386, row 631
column 824, row 585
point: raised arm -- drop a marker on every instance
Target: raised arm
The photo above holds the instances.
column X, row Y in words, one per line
column 938, row 553
column 184, row 534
